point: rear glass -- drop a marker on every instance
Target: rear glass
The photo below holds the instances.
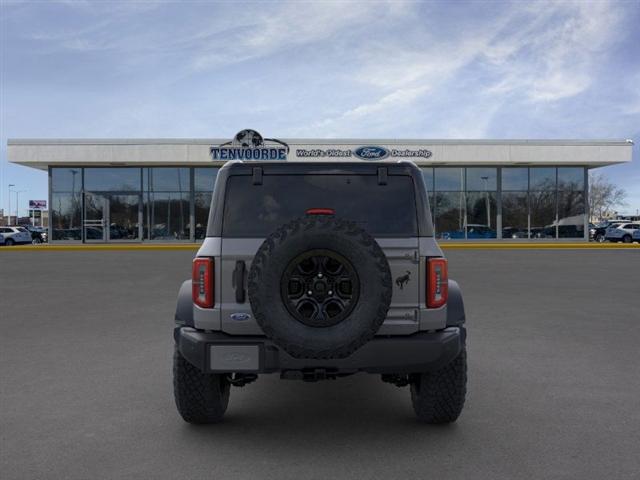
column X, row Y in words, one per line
column 382, row 210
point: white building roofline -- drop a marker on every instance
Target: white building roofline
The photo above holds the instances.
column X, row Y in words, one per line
column 44, row 153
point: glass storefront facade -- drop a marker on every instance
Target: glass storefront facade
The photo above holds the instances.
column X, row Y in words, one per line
column 101, row 204
column 476, row 203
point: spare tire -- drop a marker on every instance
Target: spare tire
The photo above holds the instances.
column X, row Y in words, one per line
column 320, row 287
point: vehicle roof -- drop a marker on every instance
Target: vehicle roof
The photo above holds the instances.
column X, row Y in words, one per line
column 313, row 167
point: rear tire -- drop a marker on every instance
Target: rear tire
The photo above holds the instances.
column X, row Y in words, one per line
column 626, row 239
column 9, row 242
column 438, row 397
column 599, row 238
column 36, row 241
column 201, row 398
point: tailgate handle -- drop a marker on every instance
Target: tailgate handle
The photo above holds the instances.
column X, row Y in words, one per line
column 238, row 281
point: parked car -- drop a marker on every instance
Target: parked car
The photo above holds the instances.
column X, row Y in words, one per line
column 543, row 232
column 570, row 231
column 38, row 234
column 473, row 231
column 514, row 232
column 622, row 233
column 15, row 235
column 598, row 232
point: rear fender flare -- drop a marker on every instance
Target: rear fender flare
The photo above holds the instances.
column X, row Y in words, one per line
column 455, row 305
column 184, row 308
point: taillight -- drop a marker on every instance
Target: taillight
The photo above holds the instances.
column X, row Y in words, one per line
column 437, row 282
column 202, row 282
column 320, row 211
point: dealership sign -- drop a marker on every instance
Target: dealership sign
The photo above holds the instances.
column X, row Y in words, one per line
column 38, row 204
column 366, row 152
column 250, row 145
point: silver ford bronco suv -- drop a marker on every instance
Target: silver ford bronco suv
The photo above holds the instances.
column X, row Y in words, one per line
column 318, row 270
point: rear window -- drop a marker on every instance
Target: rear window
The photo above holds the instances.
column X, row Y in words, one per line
column 22, row 229
column 382, row 210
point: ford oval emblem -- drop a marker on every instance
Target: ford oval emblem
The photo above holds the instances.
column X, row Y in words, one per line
column 240, row 316
column 371, row 153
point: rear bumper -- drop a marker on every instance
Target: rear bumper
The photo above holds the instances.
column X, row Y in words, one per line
column 218, row 352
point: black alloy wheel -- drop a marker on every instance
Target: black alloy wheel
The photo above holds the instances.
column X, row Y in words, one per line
column 320, row 288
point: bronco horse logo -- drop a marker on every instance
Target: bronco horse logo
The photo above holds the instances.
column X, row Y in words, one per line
column 403, row 280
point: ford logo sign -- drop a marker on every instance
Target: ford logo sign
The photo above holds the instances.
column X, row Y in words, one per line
column 371, row 153
column 240, row 316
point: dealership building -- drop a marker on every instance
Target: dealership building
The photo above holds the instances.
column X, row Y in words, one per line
column 133, row 190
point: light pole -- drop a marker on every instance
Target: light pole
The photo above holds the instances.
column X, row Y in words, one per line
column 74, row 204
column 9, row 214
column 18, row 192
column 487, row 203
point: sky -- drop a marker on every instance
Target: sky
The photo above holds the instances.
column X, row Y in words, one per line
column 385, row 69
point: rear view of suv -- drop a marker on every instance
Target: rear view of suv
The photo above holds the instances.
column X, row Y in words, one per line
column 318, row 271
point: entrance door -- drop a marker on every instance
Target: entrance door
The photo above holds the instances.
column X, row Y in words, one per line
column 112, row 217
column 95, row 217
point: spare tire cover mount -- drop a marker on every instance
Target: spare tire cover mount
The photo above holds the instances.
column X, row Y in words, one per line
column 320, row 287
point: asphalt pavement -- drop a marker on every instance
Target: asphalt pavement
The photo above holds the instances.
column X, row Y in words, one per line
column 554, row 379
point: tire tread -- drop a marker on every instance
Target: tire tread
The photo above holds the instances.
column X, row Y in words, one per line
column 438, row 397
column 200, row 398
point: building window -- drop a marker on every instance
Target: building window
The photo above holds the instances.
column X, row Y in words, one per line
column 66, row 217
column 167, row 203
column 449, row 203
column 466, row 202
column 66, row 204
column 515, row 215
column 515, row 202
column 66, row 180
column 427, row 176
column 571, row 179
column 204, row 180
column 449, row 179
column 449, row 207
column 112, row 179
column 515, row 179
column 481, row 193
column 542, row 179
column 571, row 204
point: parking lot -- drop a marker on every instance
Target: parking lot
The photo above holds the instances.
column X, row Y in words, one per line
column 554, row 388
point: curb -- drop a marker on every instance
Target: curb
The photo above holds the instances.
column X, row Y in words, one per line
column 443, row 245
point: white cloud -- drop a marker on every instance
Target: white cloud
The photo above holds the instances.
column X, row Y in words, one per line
column 539, row 52
column 553, row 56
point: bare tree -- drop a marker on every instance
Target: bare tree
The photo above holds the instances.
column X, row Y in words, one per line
column 604, row 196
